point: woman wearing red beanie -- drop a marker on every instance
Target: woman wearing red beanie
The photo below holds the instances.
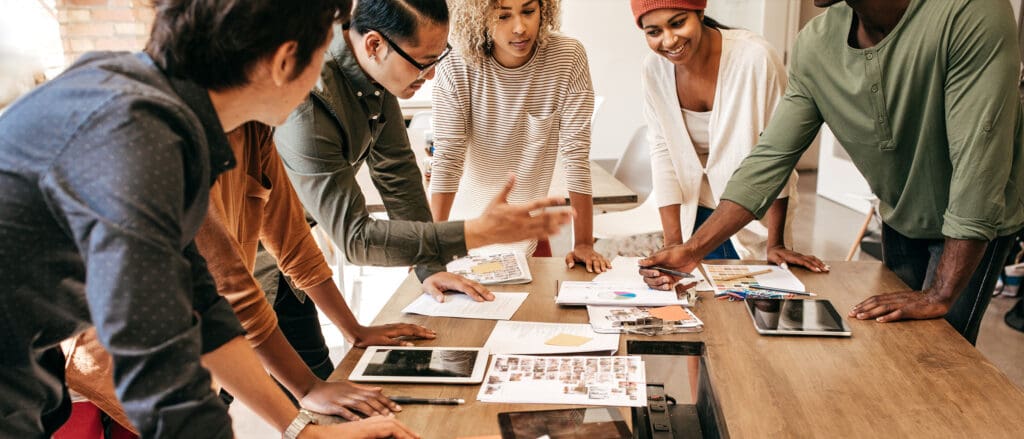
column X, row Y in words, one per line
column 709, row 91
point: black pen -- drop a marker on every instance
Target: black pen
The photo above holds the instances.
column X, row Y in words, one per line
column 435, row 401
column 668, row 271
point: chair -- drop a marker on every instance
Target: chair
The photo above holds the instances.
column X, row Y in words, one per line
column 598, row 101
column 634, row 167
column 422, row 120
column 634, row 170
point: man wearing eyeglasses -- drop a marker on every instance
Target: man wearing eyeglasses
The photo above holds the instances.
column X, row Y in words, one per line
column 352, row 117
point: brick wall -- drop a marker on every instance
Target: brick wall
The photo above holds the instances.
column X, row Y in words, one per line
column 87, row 25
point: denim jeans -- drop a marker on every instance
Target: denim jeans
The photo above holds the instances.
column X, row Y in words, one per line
column 300, row 324
column 724, row 251
column 916, row 260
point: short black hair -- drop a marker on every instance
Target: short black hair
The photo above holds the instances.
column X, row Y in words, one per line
column 397, row 19
column 215, row 43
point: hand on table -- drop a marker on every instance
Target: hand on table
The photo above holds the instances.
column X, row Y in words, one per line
column 341, row 397
column 502, row 222
column 377, row 427
column 387, row 335
column 676, row 257
column 438, row 283
column 782, row 256
column 585, row 254
column 904, row 305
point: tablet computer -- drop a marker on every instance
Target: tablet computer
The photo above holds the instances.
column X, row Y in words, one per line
column 421, row 365
column 583, row 423
column 796, row 317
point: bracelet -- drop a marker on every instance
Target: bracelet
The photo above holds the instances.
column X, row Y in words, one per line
column 300, row 422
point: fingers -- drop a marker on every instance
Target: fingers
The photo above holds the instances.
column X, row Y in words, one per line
column 543, row 203
column 374, row 401
column 390, row 427
column 348, row 415
column 434, row 291
column 410, row 330
column 570, row 260
column 474, row 290
column 502, row 197
column 657, row 280
column 891, row 317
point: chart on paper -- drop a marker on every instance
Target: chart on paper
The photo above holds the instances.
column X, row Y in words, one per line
column 726, row 277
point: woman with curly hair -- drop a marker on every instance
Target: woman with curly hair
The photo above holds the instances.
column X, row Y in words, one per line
column 512, row 97
column 709, row 91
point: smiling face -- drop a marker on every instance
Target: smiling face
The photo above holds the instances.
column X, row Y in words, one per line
column 514, row 30
column 674, row 33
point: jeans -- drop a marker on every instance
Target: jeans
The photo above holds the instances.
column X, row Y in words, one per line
column 300, row 324
column 916, row 260
column 724, row 251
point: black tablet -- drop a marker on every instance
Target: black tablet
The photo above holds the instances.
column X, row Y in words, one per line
column 796, row 317
column 584, row 423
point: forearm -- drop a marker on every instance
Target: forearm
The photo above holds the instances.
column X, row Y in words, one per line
column 583, row 205
column 285, row 364
column 329, row 299
column 728, row 219
column 776, row 219
column 960, row 258
column 672, row 230
column 240, row 372
column 441, row 205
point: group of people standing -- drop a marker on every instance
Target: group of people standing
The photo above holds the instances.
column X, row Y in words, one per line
column 142, row 191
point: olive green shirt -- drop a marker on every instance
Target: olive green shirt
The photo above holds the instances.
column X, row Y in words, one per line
column 349, row 120
column 931, row 117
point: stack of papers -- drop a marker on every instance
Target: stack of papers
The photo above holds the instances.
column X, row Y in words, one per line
column 609, row 319
column 548, row 339
column 625, row 270
column 727, row 277
column 617, row 294
column 492, row 269
column 460, row 305
column 609, row 381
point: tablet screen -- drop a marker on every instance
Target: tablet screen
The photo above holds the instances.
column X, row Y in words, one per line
column 399, row 362
column 796, row 316
column 588, row 423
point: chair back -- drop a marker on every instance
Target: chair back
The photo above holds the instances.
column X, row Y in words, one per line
column 634, row 167
column 421, row 120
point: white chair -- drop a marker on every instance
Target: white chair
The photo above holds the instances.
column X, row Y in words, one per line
column 634, row 167
column 421, row 120
column 634, row 170
column 598, row 101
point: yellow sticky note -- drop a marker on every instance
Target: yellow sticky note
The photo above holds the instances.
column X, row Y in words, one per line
column 564, row 339
column 489, row 267
column 668, row 313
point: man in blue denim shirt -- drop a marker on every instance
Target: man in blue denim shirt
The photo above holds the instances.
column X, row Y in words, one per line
column 104, row 175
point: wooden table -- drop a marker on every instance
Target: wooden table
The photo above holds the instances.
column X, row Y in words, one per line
column 909, row 379
column 607, row 190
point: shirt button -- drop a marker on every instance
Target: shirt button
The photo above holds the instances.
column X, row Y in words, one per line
column 359, row 93
column 874, row 88
column 376, row 93
column 227, row 163
column 870, row 56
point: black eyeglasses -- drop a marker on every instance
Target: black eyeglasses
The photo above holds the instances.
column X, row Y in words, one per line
column 423, row 68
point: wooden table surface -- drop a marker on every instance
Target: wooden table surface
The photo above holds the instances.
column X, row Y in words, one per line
column 908, row 379
column 607, row 190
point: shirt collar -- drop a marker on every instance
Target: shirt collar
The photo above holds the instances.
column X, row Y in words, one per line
column 363, row 86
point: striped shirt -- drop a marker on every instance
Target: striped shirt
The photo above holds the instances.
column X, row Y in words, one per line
column 496, row 120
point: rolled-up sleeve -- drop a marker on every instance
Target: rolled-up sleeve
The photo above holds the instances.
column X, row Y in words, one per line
column 575, row 127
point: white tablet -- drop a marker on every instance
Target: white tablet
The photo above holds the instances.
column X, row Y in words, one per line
column 796, row 317
column 421, row 365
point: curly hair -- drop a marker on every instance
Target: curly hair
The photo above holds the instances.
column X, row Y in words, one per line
column 471, row 21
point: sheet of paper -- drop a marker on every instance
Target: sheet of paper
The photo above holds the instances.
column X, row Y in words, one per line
column 492, row 269
column 673, row 313
column 619, row 294
column 531, row 338
column 607, row 381
column 564, row 339
column 603, row 318
column 625, row 270
column 460, row 305
column 778, row 277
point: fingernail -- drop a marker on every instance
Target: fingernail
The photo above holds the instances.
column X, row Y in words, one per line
column 398, row 407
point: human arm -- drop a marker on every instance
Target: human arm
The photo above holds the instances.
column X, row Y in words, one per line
column 672, row 229
column 777, row 252
column 583, row 231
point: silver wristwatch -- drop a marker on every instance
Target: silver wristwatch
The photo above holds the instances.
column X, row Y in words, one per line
column 301, row 421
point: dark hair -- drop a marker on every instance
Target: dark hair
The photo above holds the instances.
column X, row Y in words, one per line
column 215, row 43
column 397, row 19
column 714, row 24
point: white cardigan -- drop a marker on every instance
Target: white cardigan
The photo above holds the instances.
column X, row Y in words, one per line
column 751, row 80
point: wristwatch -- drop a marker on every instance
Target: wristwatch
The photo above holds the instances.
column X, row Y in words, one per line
column 304, row 418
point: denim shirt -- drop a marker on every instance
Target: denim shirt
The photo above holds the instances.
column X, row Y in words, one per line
column 105, row 173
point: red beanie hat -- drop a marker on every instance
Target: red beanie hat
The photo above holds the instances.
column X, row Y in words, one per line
column 641, row 7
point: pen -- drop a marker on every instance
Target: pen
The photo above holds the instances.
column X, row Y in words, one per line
column 436, row 401
column 668, row 271
column 781, row 290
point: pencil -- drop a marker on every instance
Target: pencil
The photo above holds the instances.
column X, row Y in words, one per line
column 743, row 275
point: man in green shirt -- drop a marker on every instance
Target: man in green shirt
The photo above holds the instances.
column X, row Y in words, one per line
column 353, row 117
column 923, row 96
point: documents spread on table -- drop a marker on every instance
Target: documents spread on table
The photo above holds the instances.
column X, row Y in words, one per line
column 616, row 319
column 510, row 337
column 491, row 269
column 611, row 381
column 462, row 306
column 615, row 293
column 726, row 277
column 625, row 269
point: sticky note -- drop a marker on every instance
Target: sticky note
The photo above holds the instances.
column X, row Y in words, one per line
column 668, row 313
column 564, row 339
column 489, row 267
